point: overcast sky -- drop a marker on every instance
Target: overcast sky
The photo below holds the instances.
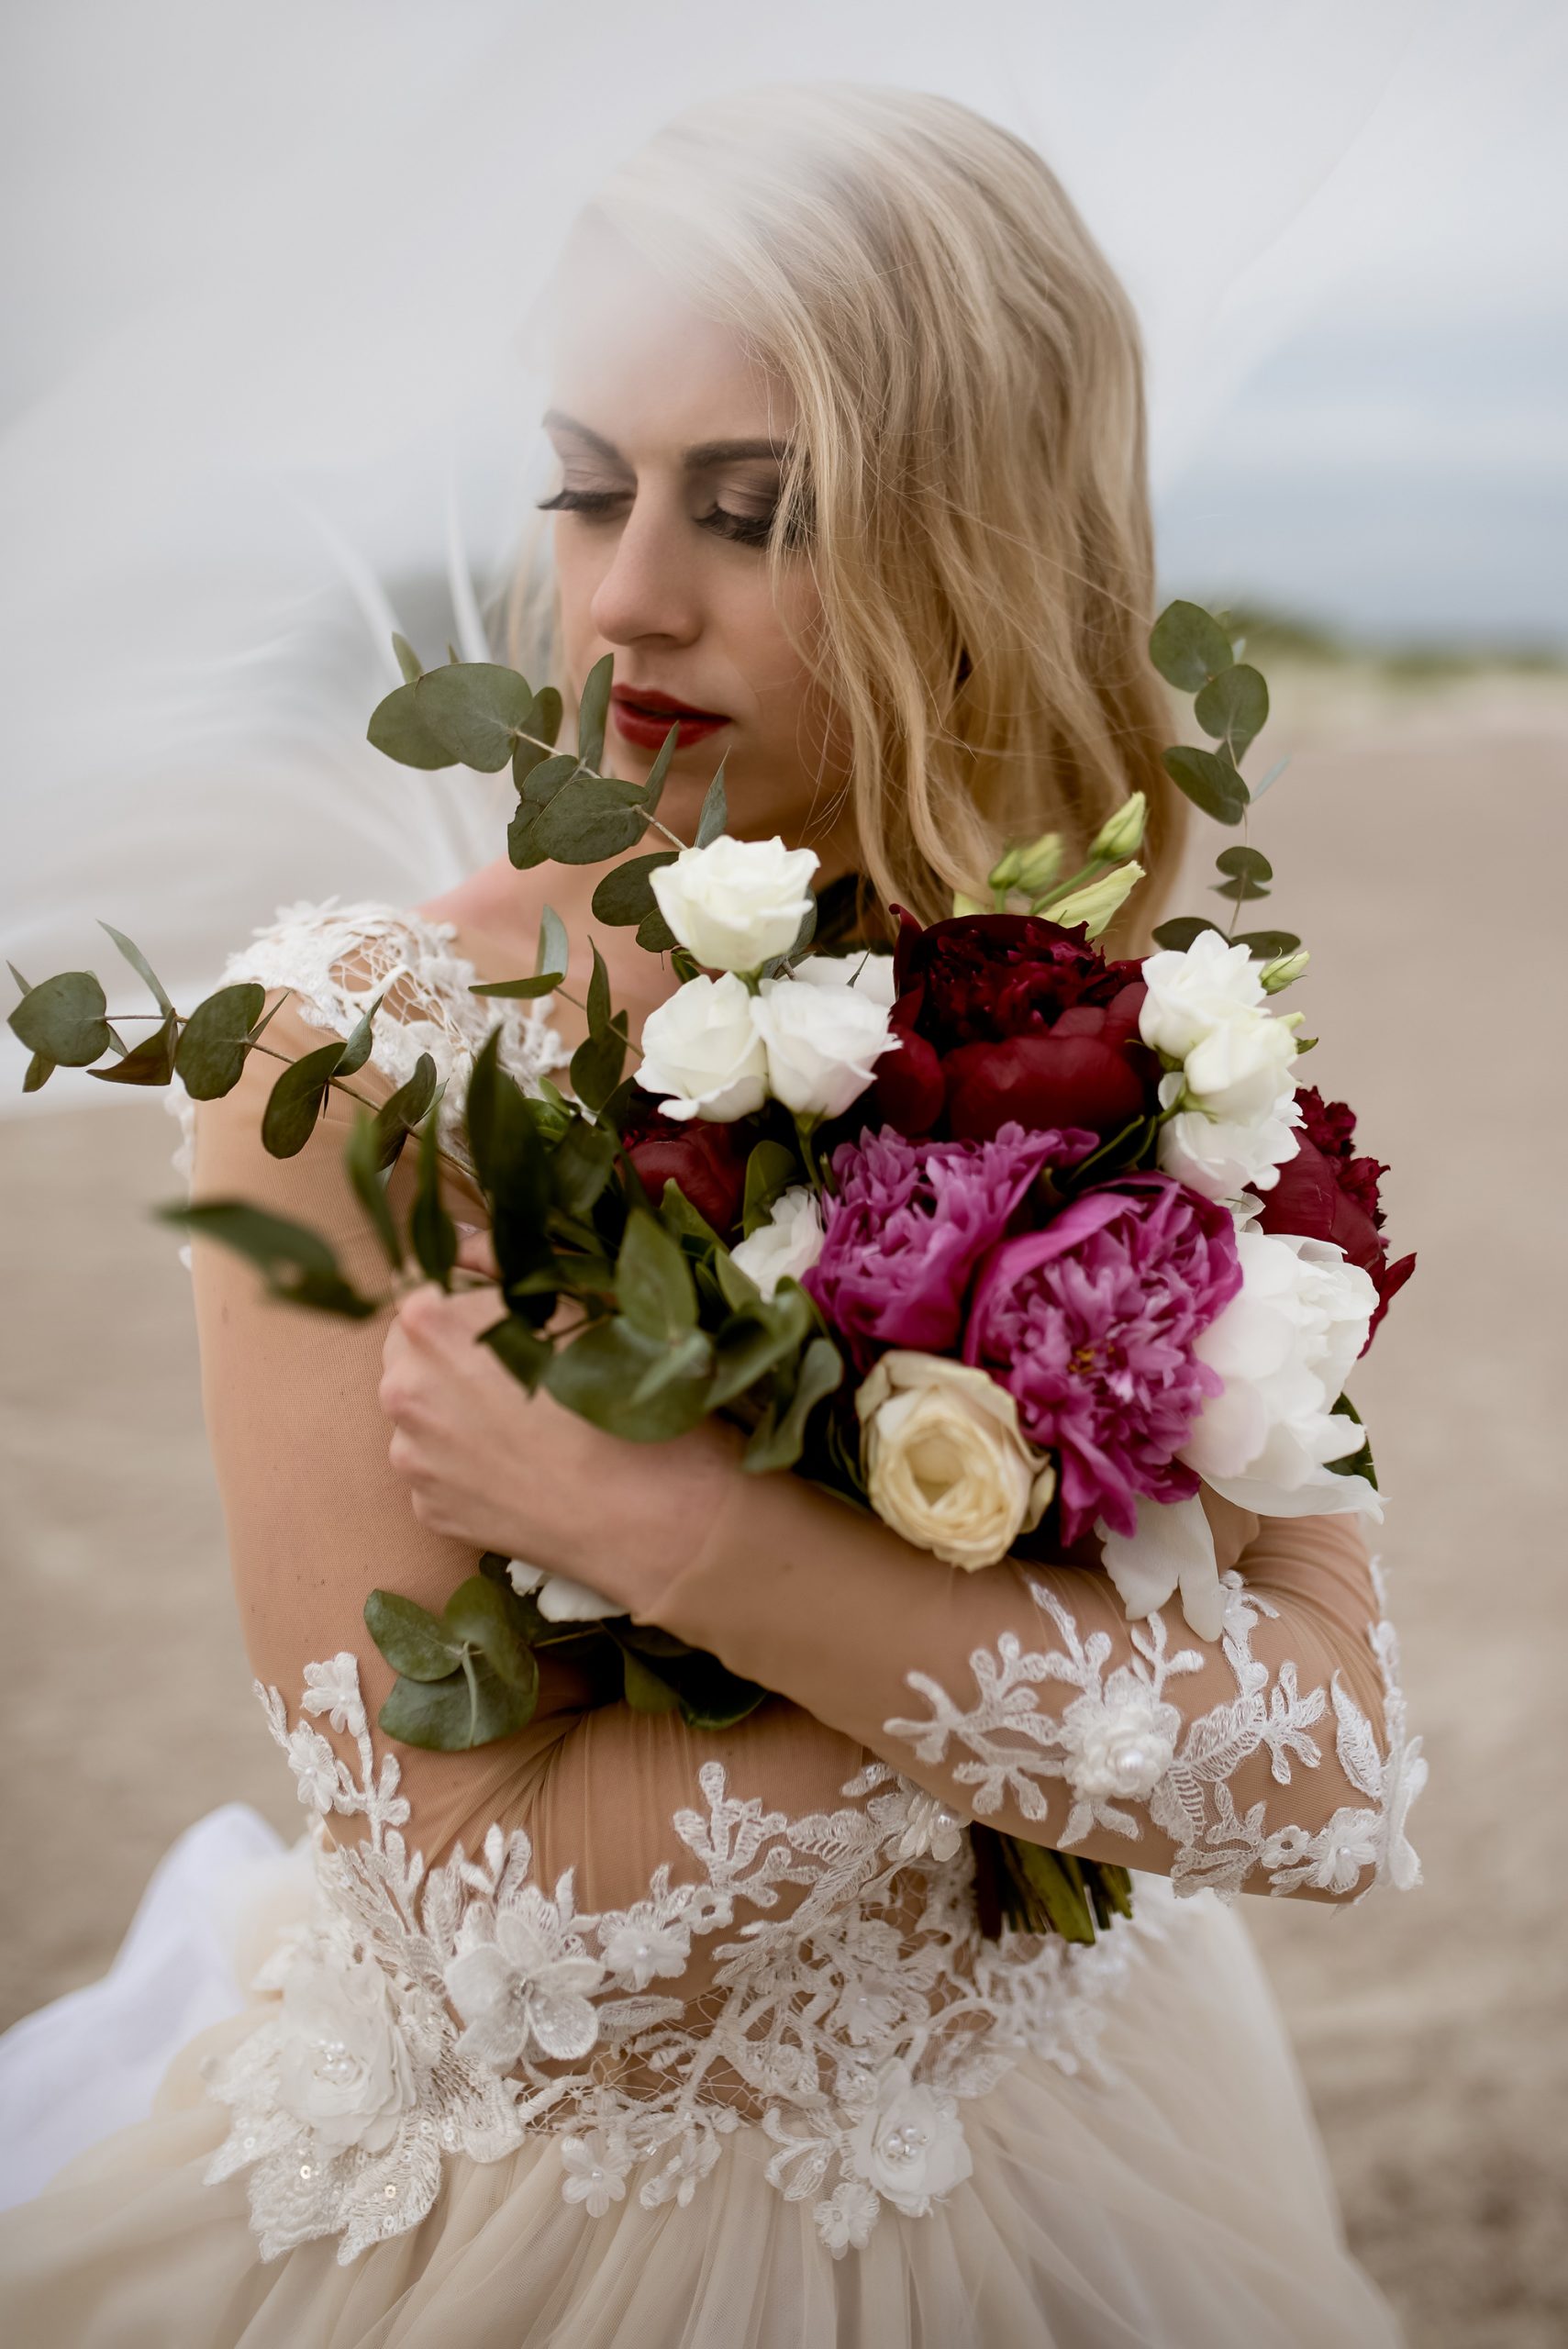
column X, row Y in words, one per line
column 1346, row 226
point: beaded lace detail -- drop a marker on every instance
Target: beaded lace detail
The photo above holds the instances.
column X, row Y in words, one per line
column 428, row 2011
column 1121, row 1741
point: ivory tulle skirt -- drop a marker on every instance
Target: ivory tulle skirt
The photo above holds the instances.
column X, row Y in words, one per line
column 1184, row 2202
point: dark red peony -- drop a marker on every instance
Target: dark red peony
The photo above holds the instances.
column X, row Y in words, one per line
column 1325, row 1192
column 1007, row 1017
column 706, row 1161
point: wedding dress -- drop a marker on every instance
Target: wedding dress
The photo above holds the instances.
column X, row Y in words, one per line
column 623, row 2031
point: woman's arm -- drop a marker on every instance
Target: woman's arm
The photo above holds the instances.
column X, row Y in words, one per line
column 1276, row 1760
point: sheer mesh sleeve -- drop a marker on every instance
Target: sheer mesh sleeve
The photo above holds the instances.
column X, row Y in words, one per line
column 315, row 1517
column 1276, row 1760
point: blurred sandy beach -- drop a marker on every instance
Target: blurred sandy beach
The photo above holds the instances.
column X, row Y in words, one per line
column 1421, row 837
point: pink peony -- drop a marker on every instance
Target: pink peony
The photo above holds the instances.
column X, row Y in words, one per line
column 1090, row 1324
column 909, row 1222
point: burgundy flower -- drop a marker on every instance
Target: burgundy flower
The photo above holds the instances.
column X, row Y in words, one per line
column 1325, row 1192
column 1091, row 1323
column 706, row 1159
column 907, row 1223
column 1005, row 1017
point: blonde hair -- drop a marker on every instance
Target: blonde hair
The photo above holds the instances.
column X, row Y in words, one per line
column 967, row 460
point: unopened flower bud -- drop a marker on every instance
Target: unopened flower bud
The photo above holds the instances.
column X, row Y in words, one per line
column 1121, row 834
column 963, row 905
column 1098, row 903
column 1003, row 874
column 1283, row 970
column 1038, row 864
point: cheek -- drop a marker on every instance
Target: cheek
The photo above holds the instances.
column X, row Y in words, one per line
column 782, row 658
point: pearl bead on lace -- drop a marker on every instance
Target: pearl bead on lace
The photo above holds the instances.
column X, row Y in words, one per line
column 905, row 2143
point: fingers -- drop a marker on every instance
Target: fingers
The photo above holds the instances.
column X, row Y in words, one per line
column 476, row 1252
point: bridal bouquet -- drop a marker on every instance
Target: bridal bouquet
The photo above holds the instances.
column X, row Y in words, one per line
column 1018, row 1246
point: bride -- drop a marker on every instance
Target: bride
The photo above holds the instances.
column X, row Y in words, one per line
column 619, row 2031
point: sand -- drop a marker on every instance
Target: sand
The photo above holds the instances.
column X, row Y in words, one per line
column 1420, row 844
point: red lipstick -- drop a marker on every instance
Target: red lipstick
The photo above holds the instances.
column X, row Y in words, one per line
column 645, row 718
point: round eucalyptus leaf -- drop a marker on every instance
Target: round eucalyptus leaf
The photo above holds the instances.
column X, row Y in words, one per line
column 1188, row 647
column 1177, row 934
column 1234, row 708
column 413, row 1641
column 296, row 1102
column 398, row 729
column 62, row 1018
column 625, row 897
column 1209, row 781
column 210, row 1057
column 477, row 709
column 149, row 1063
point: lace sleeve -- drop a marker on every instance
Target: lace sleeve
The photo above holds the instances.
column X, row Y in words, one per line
column 1276, row 1759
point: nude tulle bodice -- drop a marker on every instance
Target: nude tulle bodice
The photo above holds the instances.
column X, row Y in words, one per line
column 638, row 1936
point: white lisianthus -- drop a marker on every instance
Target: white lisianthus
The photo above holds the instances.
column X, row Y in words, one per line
column 701, row 1051
column 823, row 1040
column 1222, row 1160
column 1206, row 1007
column 946, row 1463
column 560, row 1598
column 344, row 2070
column 910, row 2146
column 1196, row 991
column 870, row 974
column 1284, row 1346
column 736, row 904
column 787, row 1244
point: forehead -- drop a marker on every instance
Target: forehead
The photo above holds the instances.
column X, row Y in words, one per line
column 634, row 359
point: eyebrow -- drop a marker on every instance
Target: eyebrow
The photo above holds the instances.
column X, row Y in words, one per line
column 697, row 459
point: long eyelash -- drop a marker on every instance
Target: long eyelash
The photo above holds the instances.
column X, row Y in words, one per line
column 746, row 529
column 580, row 501
column 743, row 529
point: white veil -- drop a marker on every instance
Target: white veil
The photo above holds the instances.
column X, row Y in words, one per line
column 269, row 275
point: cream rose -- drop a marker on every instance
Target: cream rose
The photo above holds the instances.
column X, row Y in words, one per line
column 736, row 904
column 945, row 1462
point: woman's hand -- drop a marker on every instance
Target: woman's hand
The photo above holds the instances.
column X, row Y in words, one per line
column 487, row 1462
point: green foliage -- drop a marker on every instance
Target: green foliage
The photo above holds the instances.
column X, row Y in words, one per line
column 593, row 713
column 715, row 815
column 1246, row 874
column 362, row 1158
column 625, row 897
column 465, row 1677
column 1177, row 934
column 403, row 1112
column 398, row 729
column 210, row 1057
column 432, row 1234
column 297, row 1100
column 297, row 1264
column 62, row 1020
column 770, row 1170
column 143, row 968
column 779, row 1437
column 1234, row 708
column 149, row 1063
column 1209, row 781
column 476, row 708
column 1188, row 647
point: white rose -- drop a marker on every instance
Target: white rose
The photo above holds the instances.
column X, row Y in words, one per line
column 1196, row 991
column 1284, row 1346
column 1222, row 1160
column 701, row 1049
column 870, row 974
column 736, row 904
column 823, row 1040
column 560, row 1598
column 787, row 1244
column 910, row 2147
column 343, row 2068
column 945, row 1462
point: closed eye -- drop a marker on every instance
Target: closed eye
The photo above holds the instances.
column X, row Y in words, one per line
column 741, row 530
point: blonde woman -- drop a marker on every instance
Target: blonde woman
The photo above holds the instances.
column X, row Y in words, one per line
column 848, row 422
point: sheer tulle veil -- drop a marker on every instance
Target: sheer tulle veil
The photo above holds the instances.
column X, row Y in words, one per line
column 277, row 277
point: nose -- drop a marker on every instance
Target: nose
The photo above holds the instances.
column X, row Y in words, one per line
column 648, row 586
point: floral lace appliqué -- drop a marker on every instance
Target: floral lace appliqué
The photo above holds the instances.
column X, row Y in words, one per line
column 1121, row 1743
column 427, row 2013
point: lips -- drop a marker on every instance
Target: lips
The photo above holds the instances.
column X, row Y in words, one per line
column 645, row 718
